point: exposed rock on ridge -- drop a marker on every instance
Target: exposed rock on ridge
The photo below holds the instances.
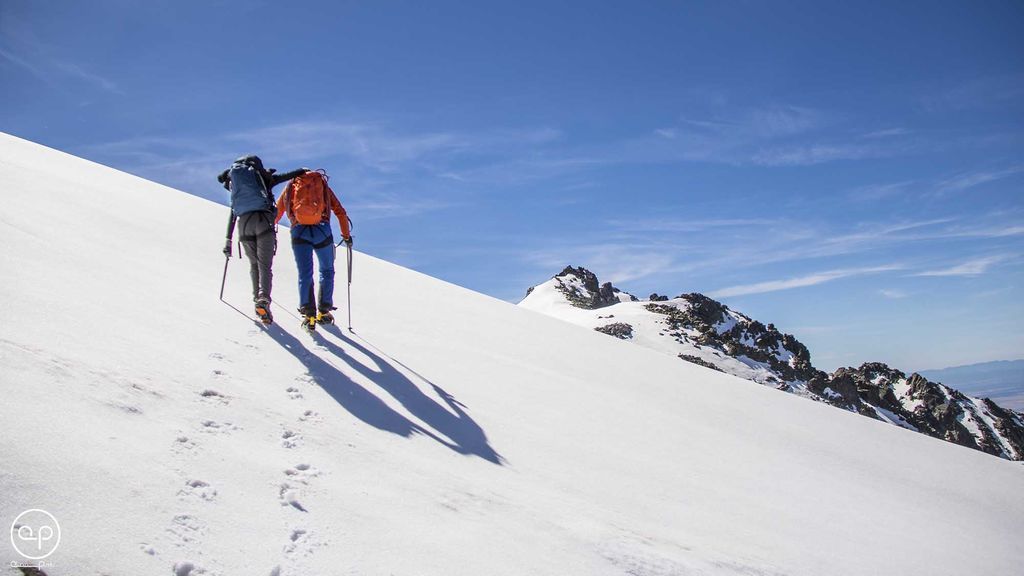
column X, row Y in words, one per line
column 706, row 332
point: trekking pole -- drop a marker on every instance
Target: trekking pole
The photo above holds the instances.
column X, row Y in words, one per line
column 227, row 259
column 349, row 286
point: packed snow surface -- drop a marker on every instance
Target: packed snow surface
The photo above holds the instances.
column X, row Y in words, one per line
column 450, row 434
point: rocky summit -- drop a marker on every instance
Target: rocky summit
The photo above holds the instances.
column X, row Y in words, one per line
column 701, row 330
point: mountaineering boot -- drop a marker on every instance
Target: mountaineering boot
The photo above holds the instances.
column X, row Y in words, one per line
column 308, row 314
column 309, row 324
column 263, row 310
column 325, row 318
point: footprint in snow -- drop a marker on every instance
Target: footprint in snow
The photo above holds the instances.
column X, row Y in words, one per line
column 293, row 393
column 290, row 497
column 183, row 443
column 301, row 542
column 309, row 415
column 213, row 395
column 198, row 489
column 290, row 439
column 186, row 530
column 302, row 473
column 214, row 427
column 126, row 408
column 186, row 569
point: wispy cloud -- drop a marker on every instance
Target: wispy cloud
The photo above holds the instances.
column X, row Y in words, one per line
column 24, row 64
column 390, row 172
column 799, row 282
column 974, row 267
column 773, row 122
column 880, row 191
column 394, row 206
column 893, row 294
column 658, row 225
column 970, row 180
column 887, row 133
column 807, row 155
column 975, row 92
column 613, row 262
column 77, row 71
column 36, row 59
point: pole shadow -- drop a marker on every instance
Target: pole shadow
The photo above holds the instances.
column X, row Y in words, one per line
column 457, row 429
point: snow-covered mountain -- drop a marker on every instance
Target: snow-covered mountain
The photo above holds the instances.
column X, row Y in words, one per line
column 703, row 331
column 451, row 434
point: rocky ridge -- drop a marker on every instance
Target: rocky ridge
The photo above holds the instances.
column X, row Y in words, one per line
column 701, row 330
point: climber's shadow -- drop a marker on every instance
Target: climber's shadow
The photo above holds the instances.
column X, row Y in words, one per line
column 453, row 426
column 359, row 401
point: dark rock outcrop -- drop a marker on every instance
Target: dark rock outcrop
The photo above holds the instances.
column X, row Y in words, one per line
column 617, row 329
column 592, row 295
column 934, row 409
column 711, row 319
column 699, row 361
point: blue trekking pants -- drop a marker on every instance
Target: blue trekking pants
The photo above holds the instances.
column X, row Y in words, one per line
column 306, row 243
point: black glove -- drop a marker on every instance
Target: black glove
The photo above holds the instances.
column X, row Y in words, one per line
column 225, row 179
column 347, row 240
column 227, row 248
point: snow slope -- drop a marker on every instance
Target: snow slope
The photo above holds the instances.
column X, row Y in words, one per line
column 452, row 434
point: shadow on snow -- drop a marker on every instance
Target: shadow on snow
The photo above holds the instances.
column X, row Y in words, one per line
column 449, row 424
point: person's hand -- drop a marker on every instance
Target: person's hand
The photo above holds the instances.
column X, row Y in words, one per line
column 227, row 249
column 347, row 240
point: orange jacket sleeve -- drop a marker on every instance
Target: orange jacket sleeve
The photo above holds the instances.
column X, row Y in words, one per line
column 339, row 211
column 282, row 203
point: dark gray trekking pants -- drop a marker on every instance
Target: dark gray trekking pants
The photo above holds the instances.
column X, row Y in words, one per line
column 259, row 241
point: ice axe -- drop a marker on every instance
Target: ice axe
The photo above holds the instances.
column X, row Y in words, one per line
column 224, row 279
column 349, row 296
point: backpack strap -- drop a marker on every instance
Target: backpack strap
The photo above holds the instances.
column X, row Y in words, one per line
column 326, row 215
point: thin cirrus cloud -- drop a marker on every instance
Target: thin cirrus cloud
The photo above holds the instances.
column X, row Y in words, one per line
column 52, row 70
column 975, row 267
column 616, row 263
column 875, row 192
column 970, row 180
column 808, row 155
column 887, row 133
column 382, row 164
column 800, row 282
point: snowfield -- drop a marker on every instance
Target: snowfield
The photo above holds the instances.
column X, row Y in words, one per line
column 451, row 434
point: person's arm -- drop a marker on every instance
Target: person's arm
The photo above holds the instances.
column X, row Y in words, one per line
column 282, row 203
column 276, row 179
column 231, row 232
column 339, row 211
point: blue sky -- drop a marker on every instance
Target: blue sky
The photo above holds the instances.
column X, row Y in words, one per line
column 851, row 172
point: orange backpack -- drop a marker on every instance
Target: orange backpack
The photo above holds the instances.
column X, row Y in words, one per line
column 307, row 202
